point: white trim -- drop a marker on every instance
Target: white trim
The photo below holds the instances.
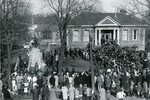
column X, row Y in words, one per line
column 114, row 34
column 133, row 25
column 107, row 18
column 100, row 36
column 106, row 25
column 118, row 35
column 96, row 37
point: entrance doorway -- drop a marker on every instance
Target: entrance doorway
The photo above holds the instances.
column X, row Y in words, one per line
column 107, row 35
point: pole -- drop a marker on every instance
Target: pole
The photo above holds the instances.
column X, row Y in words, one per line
column 91, row 65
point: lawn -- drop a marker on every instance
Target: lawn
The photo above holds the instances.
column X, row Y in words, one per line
column 78, row 64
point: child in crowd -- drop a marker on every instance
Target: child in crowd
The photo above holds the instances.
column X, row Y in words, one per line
column 64, row 92
column 102, row 94
column 108, row 95
column 80, row 92
column 71, row 92
column 76, row 93
column 121, row 95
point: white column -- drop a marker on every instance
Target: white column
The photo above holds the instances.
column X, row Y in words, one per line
column 95, row 37
column 100, row 37
column 118, row 37
column 114, row 34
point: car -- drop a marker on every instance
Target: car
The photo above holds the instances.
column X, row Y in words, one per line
column 53, row 46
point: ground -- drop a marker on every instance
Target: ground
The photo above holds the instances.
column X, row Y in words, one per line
column 112, row 98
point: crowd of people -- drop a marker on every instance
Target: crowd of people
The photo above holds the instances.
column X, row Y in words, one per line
column 119, row 72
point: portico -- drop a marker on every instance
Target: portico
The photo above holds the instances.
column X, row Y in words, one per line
column 106, row 34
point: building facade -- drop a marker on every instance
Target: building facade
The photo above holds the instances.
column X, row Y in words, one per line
column 127, row 30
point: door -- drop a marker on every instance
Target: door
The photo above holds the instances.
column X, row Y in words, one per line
column 106, row 36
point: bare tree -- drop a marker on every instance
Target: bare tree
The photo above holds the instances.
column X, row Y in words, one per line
column 11, row 24
column 64, row 10
column 139, row 8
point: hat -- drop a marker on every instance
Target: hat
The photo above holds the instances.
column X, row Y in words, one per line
column 108, row 70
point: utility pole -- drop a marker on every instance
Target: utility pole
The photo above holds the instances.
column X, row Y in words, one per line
column 91, row 64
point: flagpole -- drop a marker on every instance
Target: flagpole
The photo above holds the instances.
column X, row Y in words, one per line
column 91, row 63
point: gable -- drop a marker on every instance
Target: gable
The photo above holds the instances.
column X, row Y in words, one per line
column 107, row 21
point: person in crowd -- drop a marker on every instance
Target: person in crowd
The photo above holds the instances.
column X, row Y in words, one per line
column 121, row 95
column 6, row 94
column 52, row 80
column 56, row 80
column 45, row 92
column 100, row 80
column 40, row 82
column 35, row 93
column 76, row 92
column 14, row 85
column 102, row 94
column 1, row 85
column 71, row 92
column 64, row 92
column 81, row 90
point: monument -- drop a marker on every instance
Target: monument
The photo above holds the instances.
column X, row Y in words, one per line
column 35, row 57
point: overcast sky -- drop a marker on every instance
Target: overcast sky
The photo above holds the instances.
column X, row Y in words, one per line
column 38, row 6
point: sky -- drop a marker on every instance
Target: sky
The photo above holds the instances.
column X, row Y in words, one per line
column 39, row 7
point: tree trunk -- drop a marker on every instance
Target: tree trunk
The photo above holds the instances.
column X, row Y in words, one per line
column 9, row 64
column 63, row 48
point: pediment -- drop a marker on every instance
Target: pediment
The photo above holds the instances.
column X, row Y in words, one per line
column 107, row 21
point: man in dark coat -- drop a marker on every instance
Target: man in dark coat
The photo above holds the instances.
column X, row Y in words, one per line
column 6, row 94
column 35, row 93
column 45, row 93
column 40, row 82
column 52, row 80
column 76, row 80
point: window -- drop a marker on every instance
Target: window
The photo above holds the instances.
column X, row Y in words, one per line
column 135, row 32
column 116, row 35
column 125, row 35
column 75, row 35
column 98, row 37
column 86, row 36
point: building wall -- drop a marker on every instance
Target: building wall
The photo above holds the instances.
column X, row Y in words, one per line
column 80, row 43
column 130, row 42
column 140, row 42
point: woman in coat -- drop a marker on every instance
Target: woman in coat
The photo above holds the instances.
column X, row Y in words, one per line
column 64, row 92
column 102, row 94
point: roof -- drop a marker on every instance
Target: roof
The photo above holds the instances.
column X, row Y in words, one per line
column 47, row 27
column 94, row 18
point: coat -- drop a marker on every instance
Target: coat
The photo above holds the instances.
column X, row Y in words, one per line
column 64, row 92
column 102, row 94
column 35, row 93
column 52, row 80
column 52, row 95
column 71, row 92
